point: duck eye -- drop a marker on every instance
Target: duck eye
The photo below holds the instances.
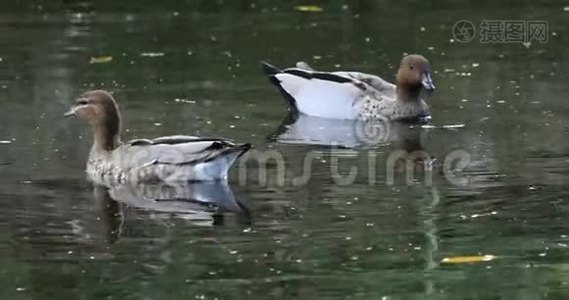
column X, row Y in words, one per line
column 83, row 102
column 411, row 67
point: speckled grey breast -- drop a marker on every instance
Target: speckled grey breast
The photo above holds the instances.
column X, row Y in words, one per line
column 379, row 107
column 109, row 173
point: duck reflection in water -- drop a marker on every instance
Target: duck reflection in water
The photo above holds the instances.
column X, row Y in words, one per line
column 405, row 140
column 200, row 203
column 352, row 134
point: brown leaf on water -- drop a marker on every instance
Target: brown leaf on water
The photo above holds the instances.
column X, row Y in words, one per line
column 467, row 259
column 100, row 59
column 309, row 8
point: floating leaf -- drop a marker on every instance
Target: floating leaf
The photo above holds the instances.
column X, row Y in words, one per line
column 309, row 8
column 467, row 259
column 101, row 59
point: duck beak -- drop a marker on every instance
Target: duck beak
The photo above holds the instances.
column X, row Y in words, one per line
column 427, row 82
column 70, row 112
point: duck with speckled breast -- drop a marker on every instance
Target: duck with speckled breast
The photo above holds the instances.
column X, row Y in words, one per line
column 168, row 158
column 355, row 95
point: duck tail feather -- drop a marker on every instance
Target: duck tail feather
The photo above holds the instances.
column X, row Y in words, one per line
column 269, row 69
column 243, row 148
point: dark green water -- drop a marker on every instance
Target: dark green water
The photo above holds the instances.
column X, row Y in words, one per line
column 61, row 239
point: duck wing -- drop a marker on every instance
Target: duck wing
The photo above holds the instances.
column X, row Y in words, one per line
column 170, row 139
column 384, row 87
column 320, row 94
column 177, row 150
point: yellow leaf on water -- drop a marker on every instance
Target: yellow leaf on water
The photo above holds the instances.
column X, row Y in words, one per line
column 309, row 8
column 467, row 259
column 101, row 59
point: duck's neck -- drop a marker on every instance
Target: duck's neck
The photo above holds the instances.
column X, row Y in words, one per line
column 407, row 93
column 106, row 134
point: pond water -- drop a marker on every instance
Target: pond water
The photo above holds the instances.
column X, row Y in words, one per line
column 193, row 68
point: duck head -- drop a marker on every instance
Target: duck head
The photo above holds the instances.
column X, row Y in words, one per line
column 414, row 74
column 100, row 110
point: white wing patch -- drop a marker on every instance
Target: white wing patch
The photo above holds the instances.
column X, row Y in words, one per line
column 321, row 98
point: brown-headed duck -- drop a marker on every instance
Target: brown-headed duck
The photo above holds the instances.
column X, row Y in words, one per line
column 168, row 158
column 354, row 95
